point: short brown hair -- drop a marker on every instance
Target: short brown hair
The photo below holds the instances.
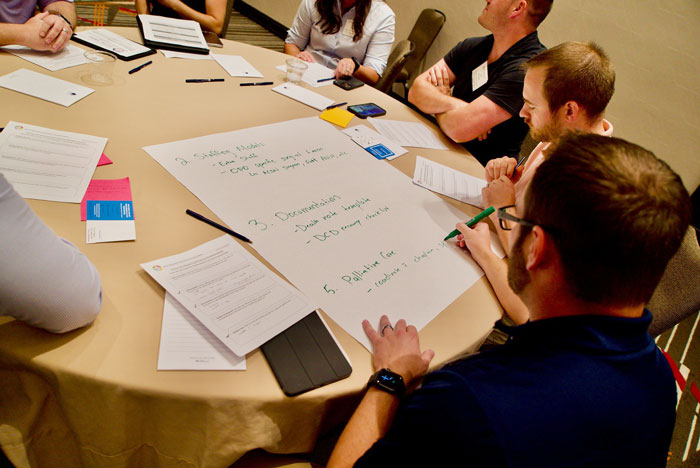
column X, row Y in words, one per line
column 538, row 10
column 616, row 215
column 576, row 71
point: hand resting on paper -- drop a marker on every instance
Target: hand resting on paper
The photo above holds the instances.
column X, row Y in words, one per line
column 397, row 348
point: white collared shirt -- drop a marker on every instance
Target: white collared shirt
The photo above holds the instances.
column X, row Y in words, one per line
column 372, row 50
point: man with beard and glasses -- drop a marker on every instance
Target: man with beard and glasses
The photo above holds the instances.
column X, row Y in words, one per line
column 582, row 384
column 567, row 88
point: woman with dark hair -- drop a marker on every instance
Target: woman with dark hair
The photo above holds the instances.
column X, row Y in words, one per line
column 352, row 37
column 208, row 13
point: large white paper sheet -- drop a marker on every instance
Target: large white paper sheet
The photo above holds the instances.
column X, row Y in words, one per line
column 48, row 164
column 235, row 65
column 44, row 87
column 186, row 344
column 111, row 41
column 69, row 56
column 231, row 292
column 448, row 182
column 302, row 95
column 354, row 234
column 313, row 73
column 413, row 134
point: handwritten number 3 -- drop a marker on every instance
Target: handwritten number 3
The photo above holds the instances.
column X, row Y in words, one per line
column 255, row 222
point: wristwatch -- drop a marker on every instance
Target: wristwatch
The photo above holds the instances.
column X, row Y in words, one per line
column 388, row 381
column 357, row 65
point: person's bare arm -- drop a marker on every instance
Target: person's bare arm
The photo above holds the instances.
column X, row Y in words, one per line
column 142, row 7
column 291, row 49
column 432, row 97
column 28, row 34
column 398, row 350
column 467, row 122
column 478, row 241
column 213, row 19
column 346, row 66
column 459, row 120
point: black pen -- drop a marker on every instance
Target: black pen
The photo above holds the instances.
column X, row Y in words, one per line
column 218, row 226
column 333, row 106
column 140, row 67
column 259, row 83
column 325, row 79
column 204, row 80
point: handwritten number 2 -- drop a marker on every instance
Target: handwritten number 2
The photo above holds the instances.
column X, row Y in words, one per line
column 257, row 223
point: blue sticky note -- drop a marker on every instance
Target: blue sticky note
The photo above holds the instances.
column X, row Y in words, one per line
column 379, row 151
column 101, row 210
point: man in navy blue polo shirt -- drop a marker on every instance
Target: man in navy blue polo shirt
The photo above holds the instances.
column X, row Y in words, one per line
column 475, row 92
column 582, row 384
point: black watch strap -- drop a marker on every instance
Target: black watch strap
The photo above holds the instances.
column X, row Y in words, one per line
column 357, row 65
column 391, row 382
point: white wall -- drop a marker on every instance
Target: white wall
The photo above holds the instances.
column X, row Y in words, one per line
column 654, row 46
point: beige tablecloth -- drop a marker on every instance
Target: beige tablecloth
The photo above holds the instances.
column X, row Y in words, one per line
column 94, row 397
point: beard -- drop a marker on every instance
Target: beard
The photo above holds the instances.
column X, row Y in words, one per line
column 550, row 132
column 518, row 277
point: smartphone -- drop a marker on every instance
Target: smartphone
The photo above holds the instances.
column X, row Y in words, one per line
column 348, row 83
column 212, row 39
column 367, row 110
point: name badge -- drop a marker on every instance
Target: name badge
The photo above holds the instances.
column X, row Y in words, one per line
column 480, row 75
column 348, row 29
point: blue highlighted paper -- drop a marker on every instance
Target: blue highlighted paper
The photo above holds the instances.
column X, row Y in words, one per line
column 379, row 151
column 102, row 210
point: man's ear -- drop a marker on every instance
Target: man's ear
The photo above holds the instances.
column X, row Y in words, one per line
column 519, row 8
column 571, row 111
column 536, row 249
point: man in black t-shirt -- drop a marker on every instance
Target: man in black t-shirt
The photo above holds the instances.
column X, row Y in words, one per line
column 481, row 111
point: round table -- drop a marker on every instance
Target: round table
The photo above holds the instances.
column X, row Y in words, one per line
column 93, row 397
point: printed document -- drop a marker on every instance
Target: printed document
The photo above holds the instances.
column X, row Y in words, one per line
column 446, row 181
column 231, row 292
column 174, row 31
column 112, row 42
column 48, row 164
column 70, row 56
column 371, row 141
column 413, row 134
column 186, row 344
column 44, row 87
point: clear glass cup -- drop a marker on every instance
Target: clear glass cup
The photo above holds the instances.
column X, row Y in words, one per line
column 100, row 68
column 295, row 69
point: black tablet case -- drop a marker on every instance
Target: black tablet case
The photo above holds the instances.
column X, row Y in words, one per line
column 169, row 46
column 305, row 356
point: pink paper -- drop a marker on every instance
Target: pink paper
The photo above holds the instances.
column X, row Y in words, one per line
column 105, row 189
column 104, row 160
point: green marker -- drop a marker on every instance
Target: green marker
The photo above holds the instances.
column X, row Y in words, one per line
column 472, row 221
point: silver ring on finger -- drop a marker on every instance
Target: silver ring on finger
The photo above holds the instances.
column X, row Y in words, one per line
column 385, row 327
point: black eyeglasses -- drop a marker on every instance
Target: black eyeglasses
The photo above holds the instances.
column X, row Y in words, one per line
column 507, row 213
